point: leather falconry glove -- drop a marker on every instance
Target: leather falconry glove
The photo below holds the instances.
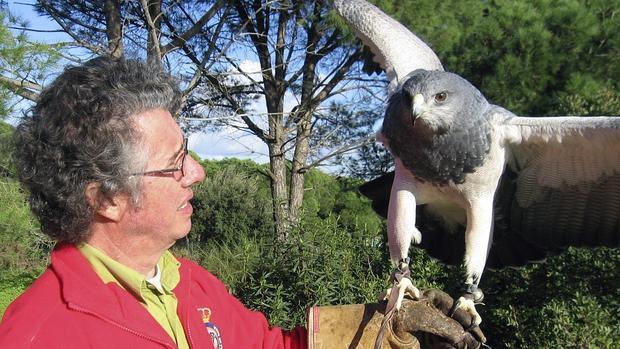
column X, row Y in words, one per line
column 420, row 324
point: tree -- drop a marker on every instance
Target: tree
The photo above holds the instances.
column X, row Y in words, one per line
column 165, row 32
column 23, row 63
column 300, row 54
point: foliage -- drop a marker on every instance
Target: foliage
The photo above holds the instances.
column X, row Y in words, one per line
column 571, row 300
column 7, row 169
column 230, row 202
column 12, row 284
column 22, row 245
column 523, row 55
column 333, row 256
column 600, row 102
column 320, row 263
column 23, row 249
column 23, row 64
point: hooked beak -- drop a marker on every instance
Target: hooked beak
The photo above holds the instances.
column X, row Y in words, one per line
column 418, row 106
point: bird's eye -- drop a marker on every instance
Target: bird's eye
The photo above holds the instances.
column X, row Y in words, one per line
column 441, row 97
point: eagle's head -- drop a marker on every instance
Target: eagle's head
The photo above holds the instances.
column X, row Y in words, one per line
column 437, row 124
column 440, row 101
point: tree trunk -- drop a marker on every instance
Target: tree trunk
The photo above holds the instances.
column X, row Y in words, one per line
column 152, row 14
column 114, row 27
column 277, row 135
column 278, row 190
column 304, row 125
column 302, row 149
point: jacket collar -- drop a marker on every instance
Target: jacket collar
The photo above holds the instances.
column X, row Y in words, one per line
column 84, row 291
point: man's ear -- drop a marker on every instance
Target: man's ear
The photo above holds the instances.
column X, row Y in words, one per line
column 112, row 208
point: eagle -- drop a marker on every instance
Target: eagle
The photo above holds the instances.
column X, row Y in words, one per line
column 473, row 183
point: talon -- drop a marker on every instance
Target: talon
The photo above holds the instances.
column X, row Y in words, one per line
column 467, row 305
column 402, row 283
column 405, row 287
column 455, row 305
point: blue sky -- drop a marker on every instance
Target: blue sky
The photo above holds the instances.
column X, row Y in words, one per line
column 208, row 145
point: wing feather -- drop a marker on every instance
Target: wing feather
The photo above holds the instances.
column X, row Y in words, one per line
column 396, row 49
column 567, row 189
column 557, row 151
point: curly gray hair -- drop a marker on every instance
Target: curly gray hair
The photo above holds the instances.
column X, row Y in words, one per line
column 81, row 131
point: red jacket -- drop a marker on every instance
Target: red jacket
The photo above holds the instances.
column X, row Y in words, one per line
column 70, row 307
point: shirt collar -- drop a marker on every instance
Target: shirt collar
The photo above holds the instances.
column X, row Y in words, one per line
column 132, row 281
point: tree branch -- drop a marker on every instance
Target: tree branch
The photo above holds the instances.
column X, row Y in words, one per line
column 338, row 76
column 114, row 27
column 37, row 30
column 22, row 88
column 195, row 29
column 344, row 149
column 52, row 12
column 154, row 47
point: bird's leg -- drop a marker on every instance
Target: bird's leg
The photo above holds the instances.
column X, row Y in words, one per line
column 401, row 232
column 477, row 243
column 470, row 296
column 401, row 285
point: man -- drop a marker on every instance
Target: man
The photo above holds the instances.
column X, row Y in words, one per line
column 110, row 181
column 107, row 169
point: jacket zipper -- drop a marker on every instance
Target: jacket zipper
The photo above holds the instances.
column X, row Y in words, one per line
column 187, row 324
column 86, row 311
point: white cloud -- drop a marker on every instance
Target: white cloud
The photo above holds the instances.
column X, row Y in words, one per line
column 228, row 143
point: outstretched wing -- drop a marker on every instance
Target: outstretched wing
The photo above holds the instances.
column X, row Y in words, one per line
column 560, row 188
column 567, row 191
column 396, row 49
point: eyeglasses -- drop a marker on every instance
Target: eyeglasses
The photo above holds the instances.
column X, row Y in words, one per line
column 165, row 171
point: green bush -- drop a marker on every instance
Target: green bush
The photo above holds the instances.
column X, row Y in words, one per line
column 571, row 300
column 7, row 169
column 22, row 245
column 12, row 284
column 337, row 255
column 23, row 249
column 229, row 203
column 320, row 263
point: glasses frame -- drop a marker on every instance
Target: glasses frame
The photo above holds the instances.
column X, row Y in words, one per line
column 166, row 171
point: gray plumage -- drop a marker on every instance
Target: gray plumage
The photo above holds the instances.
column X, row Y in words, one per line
column 475, row 179
column 454, row 148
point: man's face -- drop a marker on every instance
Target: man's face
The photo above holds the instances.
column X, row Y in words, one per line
column 164, row 213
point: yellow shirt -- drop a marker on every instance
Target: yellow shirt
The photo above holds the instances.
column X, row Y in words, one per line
column 159, row 300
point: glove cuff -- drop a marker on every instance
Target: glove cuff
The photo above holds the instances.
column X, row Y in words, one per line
column 352, row 326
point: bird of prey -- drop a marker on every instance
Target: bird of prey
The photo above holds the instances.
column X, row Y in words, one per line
column 474, row 183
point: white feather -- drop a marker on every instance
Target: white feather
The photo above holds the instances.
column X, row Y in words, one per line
column 396, row 49
column 556, row 152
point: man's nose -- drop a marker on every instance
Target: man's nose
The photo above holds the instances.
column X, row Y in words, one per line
column 194, row 173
